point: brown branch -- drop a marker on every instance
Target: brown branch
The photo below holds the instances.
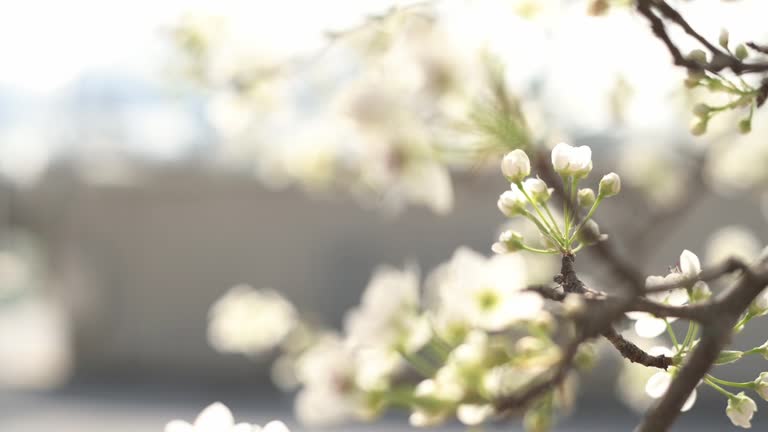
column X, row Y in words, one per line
column 634, row 353
column 546, row 381
column 730, row 265
column 720, row 59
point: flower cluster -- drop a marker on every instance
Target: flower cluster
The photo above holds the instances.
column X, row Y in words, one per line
column 529, row 197
column 742, row 95
column 740, row 408
column 450, row 342
column 218, row 418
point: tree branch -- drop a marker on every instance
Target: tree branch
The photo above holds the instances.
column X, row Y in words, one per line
column 724, row 313
column 720, row 59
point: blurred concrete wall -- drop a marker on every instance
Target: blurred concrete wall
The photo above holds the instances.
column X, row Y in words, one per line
column 138, row 266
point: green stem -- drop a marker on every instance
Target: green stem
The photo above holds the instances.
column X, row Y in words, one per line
column 541, row 251
column 567, row 209
column 710, row 383
column 421, row 365
column 535, row 207
column 744, row 385
column 541, row 227
column 589, row 215
column 552, row 218
column 692, row 328
column 672, row 336
column 739, row 325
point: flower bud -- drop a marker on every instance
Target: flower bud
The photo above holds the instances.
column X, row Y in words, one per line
column 589, row 234
column 537, row 189
column 610, row 185
column 586, row 197
column 512, row 203
column 759, row 305
column 700, row 291
column 572, row 161
column 728, row 356
column 509, row 241
column 741, row 52
column 698, row 56
column 745, row 125
column 724, row 37
column 699, row 128
column 701, row 110
column 761, row 385
column 516, row 166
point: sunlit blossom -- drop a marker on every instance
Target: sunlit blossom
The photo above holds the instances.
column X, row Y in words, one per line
column 249, row 321
column 218, row 418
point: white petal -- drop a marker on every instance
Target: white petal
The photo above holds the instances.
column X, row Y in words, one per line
column 179, row 426
column 215, row 418
column 650, row 327
column 472, row 415
column 245, row 427
column 275, row 426
column 689, row 264
column 561, row 156
column 678, row 297
column 637, row 315
column 689, row 402
column 661, row 350
column 658, row 384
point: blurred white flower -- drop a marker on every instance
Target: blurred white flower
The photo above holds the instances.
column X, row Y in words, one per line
column 446, row 387
column 732, row 242
column 484, row 293
column 740, row 410
column 327, row 372
column 388, row 314
column 572, row 161
column 658, row 384
column 218, row 418
column 474, row 414
column 249, row 321
column 651, row 169
column 35, row 344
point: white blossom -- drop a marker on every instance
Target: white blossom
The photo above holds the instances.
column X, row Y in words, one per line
column 218, row 418
column 537, row 189
column 484, row 293
column 509, row 241
column 516, row 166
column 512, row 202
column 732, row 242
column 740, row 410
column 649, row 326
column 249, row 321
column 327, row 372
column 572, row 161
column 658, row 384
column 388, row 314
column 474, row 414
